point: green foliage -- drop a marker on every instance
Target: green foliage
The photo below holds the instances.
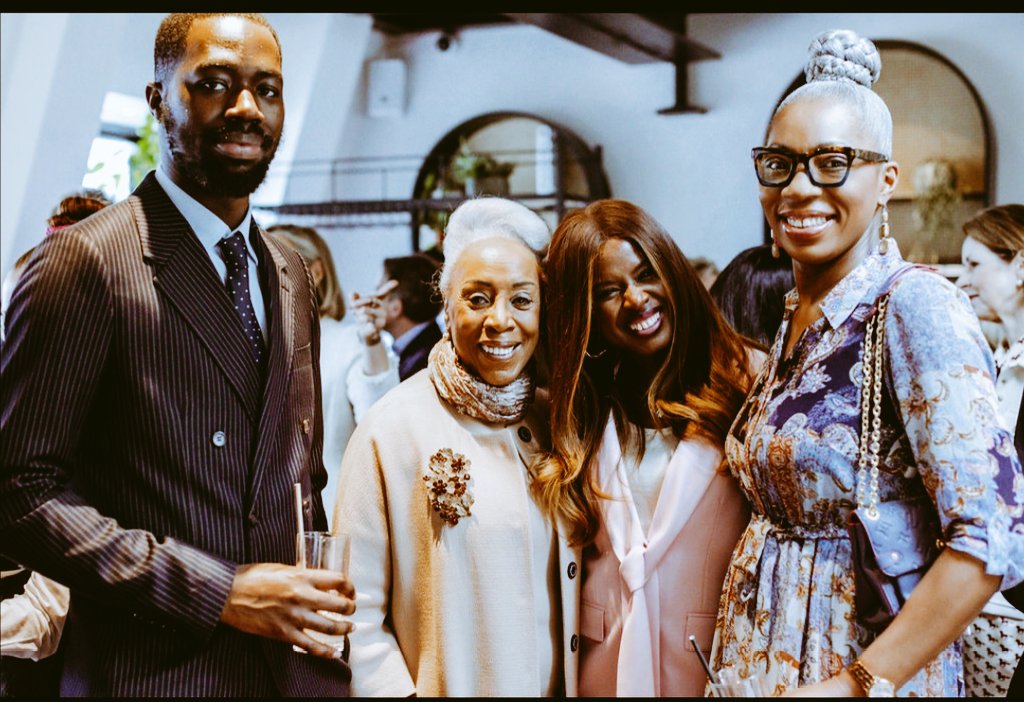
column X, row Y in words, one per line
column 148, row 152
column 467, row 164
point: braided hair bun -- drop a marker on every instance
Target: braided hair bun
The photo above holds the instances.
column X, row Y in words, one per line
column 841, row 54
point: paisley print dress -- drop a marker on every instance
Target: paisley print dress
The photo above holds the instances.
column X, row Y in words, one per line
column 787, row 610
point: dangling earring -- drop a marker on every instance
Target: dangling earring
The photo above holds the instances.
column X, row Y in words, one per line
column 883, row 230
column 775, row 247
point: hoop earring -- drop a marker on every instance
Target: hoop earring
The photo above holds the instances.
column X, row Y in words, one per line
column 775, row 247
column 883, row 230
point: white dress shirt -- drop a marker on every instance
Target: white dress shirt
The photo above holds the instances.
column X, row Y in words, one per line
column 210, row 229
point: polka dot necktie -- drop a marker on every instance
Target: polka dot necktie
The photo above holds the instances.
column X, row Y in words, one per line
column 232, row 248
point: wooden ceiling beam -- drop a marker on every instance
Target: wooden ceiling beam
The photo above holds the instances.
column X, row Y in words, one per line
column 629, row 37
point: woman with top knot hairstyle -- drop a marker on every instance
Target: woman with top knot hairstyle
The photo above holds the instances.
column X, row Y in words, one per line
column 789, row 611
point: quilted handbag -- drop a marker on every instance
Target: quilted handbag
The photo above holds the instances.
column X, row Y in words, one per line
column 992, row 650
column 892, row 543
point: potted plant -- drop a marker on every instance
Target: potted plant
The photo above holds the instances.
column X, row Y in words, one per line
column 479, row 172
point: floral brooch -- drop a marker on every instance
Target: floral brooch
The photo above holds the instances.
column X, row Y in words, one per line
column 447, row 481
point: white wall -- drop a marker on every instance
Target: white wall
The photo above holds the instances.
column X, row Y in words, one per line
column 762, row 54
column 52, row 98
column 692, row 172
column 50, row 114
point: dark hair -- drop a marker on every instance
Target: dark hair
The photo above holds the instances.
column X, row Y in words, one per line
column 312, row 247
column 697, row 390
column 169, row 47
column 750, row 292
column 416, row 285
column 76, row 207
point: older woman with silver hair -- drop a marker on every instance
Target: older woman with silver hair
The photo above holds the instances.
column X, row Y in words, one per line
column 464, row 587
column 860, row 404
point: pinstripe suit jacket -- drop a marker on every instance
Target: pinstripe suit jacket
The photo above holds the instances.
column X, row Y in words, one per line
column 144, row 455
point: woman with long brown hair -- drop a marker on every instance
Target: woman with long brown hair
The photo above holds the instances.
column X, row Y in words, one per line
column 645, row 379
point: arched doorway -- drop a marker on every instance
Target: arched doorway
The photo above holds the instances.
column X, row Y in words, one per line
column 545, row 165
column 942, row 139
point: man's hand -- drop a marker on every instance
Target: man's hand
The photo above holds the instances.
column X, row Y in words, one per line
column 371, row 313
column 278, row 601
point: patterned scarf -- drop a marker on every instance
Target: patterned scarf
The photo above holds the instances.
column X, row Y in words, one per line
column 470, row 395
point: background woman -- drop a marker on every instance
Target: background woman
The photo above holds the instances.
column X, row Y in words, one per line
column 993, row 277
column 751, row 292
column 787, row 611
column 646, row 378
column 464, row 588
column 355, row 367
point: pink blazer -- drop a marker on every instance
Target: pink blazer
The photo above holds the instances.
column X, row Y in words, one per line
column 691, row 576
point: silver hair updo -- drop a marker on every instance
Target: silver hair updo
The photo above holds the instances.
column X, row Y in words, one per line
column 488, row 217
column 843, row 66
column 842, row 55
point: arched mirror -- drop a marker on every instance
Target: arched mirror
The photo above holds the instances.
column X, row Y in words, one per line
column 517, row 155
column 942, row 140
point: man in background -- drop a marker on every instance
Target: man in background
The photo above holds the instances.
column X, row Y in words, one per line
column 411, row 308
column 160, row 398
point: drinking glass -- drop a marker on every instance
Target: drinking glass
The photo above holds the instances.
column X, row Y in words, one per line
column 320, row 549
column 732, row 685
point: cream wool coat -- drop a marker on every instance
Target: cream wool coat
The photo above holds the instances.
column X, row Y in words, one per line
column 446, row 610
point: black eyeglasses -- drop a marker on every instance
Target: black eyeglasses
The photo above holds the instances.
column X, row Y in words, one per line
column 827, row 166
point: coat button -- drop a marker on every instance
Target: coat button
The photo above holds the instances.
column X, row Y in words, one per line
column 219, row 438
column 572, row 570
column 305, row 426
column 524, row 433
column 574, row 643
column 253, row 519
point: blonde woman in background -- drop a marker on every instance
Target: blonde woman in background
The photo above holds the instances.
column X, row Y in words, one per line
column 993, row 277
column 356, row 368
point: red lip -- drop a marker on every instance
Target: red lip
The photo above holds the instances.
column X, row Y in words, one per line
column 804, row 233
column 646, row 314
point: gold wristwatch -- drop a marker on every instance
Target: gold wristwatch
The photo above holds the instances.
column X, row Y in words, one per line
column 874, row 686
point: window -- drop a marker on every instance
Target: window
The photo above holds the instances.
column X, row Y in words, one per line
column 109, row 167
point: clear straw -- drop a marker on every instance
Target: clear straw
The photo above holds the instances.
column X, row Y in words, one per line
column 301, row 527
column 703, row 660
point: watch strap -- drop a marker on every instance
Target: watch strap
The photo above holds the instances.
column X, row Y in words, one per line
column 861, row 675
column 869, row 681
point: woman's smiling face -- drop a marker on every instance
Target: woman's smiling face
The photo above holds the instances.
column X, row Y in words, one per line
column 990, row 281
column 493, row 308
column 819, row 226
column 631, row 310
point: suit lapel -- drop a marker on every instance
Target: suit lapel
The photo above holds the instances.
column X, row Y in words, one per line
column 183, row 273
column 281, row 349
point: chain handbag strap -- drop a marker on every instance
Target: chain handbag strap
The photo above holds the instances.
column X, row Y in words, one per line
column 871, row 411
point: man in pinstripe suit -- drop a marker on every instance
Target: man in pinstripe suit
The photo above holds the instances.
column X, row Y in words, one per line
column 148, row 441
